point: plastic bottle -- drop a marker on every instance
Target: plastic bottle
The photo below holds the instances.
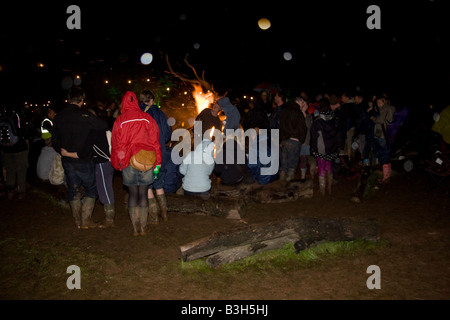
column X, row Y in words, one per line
column 155, row 173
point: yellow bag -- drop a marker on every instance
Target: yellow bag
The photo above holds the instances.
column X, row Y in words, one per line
column 143, row 160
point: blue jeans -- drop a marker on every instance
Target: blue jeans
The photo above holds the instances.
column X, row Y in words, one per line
column 382, row 150
column 290, row 154
column 104, row 174
column 78, row 174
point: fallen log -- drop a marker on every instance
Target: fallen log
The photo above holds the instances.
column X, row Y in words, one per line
column 226, row 247
column 229, row 208
column 275, row 192
column 240, row 252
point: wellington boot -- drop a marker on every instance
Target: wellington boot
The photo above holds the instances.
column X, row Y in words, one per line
column 75, row 206
column 153, row 210
column 162, row 202
column 142, row 213
column 386, row 174
column 109, row 216
column 134, row 217
column 322, row 185
column 86, row 213
column 329, row 182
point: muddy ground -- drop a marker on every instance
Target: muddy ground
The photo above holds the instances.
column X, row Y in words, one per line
column 39, row 242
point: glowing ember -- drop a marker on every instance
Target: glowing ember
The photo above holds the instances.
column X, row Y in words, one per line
column 202, row 100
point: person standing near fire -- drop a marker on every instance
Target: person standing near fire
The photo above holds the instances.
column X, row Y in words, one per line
column 157, row 205
column 72, row 126
column 135, row 132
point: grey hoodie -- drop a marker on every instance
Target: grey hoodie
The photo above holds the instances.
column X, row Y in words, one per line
column 233, row 116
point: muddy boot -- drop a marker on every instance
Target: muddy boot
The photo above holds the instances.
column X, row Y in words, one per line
column 386, row 173
column 75, row 206
column 86, row 214
column 162, row 202
column 312, row 169
column 290, row 175
column 142, row 213
column 329, row 182
column 109, row 216
column 322, row 185
column 153, row 210
column 134, row 217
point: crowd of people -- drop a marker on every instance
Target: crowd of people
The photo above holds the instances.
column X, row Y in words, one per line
column 324, row 137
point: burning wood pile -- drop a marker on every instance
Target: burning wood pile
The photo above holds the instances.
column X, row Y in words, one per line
column 203, row 93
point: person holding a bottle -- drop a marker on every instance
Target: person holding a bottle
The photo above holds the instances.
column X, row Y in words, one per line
column 157, row 206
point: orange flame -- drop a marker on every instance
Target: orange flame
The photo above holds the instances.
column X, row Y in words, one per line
column 202, row 100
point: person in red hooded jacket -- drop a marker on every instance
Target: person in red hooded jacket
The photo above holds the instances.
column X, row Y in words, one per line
column 133, row 131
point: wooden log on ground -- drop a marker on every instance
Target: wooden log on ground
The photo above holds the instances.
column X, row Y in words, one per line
column 240, row 252
column 246, row 241
column 229, row 208
column 275, row 192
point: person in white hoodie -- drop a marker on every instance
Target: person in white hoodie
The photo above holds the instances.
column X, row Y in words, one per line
column 197, row 168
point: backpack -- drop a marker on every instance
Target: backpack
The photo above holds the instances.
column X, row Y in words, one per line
column 56, row 175
column 9, row 130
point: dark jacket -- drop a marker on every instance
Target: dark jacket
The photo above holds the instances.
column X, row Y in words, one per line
column 275, row 117
column 292, row 123
column 71, row 128
column 362, row 123
column 324, row 137
column 256, row 118
column 19, row 126
column 208, row 120
column 255, row 167
column 172, row 178
column 96, row 147
column 230, row 172
column 165, row 131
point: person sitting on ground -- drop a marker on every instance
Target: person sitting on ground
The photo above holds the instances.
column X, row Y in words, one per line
column 263, row 172
column 197, row 168
column 209, row 118
column 233, row 116
column 230, row 171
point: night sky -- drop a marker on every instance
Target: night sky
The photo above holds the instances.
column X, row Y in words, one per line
column 332, row 49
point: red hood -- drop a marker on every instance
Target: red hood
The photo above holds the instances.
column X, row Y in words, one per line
column 129, row 102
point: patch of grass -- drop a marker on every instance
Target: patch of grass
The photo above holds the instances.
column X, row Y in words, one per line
column 31, row 269
column 52, row 199
column 286, row 257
